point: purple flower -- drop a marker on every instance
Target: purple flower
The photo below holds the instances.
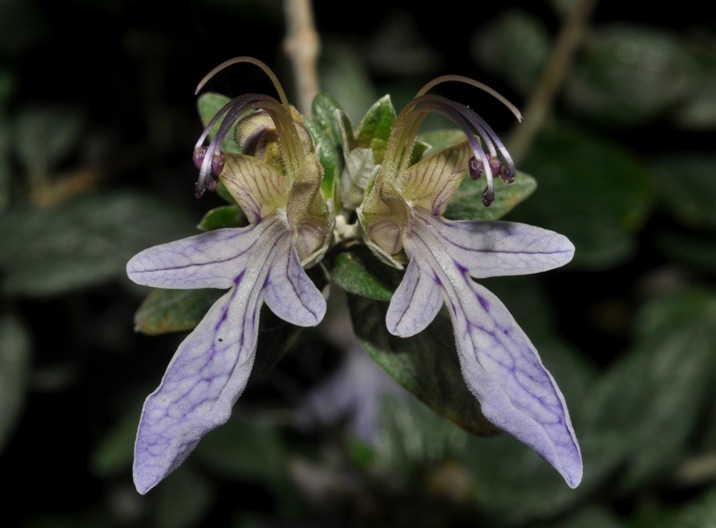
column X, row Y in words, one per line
column 278, row 187
column 402, row 221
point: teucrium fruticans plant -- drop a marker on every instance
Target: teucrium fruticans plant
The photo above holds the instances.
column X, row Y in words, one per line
column 301, row 203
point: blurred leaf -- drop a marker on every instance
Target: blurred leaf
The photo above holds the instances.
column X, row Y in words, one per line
column 698, row 513
column 590, row 190
column 44, row 135
column 515, row 46
column 83, row 242
column 15, row 351
column 426, row 365
column 629, row 75
column 697, row 111
column 223, row 216
column 687, row 187
column 359, row 272
column 113, row 455
column 467, row 202
column 688, row 249
column 592, row 517
column 5, row 165
column 166, row 311
column 184, row 499
column 208, row 105
column 410, row 436
column 246, row 449
column 651, row 421
column 344, row 76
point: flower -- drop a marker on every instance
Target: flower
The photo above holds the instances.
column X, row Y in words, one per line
column 277, row 183
column 402, row 220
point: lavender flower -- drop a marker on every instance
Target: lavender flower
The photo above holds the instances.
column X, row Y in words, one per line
column 277, row 183
column 402, row 220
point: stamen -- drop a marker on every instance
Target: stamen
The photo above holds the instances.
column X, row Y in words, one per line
column 255, row 62
column 488, row 195
column 474, row 168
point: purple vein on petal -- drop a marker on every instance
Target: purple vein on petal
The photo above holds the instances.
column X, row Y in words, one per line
column 500, row 365
column 207, row 374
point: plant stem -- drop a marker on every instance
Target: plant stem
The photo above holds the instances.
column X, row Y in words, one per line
column 539, row 104
column 302, row 46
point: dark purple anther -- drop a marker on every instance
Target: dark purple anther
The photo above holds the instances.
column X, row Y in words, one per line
column 507, row 174
column 217, row 163
column 495, row 164
column 475, row 168
column 198, row 156
column 487, row 196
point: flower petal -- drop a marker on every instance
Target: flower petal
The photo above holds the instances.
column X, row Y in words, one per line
column 208, row 372
column 500, row 365
column 208, row 260
column 416, row 302
column 257, row 187
column 498, row 248
column 432, row 181
column 290, row 293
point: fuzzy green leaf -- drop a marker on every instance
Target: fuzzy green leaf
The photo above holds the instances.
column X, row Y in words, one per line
column 166, row 311
column 83, row 242
column 208, row 105
column 15, row 349
column 426, row 365
column 219, row 217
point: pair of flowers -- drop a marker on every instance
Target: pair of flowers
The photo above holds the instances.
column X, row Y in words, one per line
column 296, row 214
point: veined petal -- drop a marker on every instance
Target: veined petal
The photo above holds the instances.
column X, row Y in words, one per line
column 208, row 372
column 208, row 260
column 498, row 248
column 290, row 293
column 416, row 302
column 432, row 181
column 500, row 365
column 257, row 187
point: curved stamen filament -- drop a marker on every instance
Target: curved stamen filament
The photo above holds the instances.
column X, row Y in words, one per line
column 250, row 60
column 477, row 84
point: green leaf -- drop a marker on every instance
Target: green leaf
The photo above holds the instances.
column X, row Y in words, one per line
column 208, row 105
column 113, row 455
column 410, row 437
column 687, row 187
column 184, row 499
column 44, row 135
column 6, row 171
column 358, row 272
column 514, row 46
column 327, row 155
column 166, row 311
column 325, row 116
column 248, row 449
column 375, row 128
column 426, row 365
column 688, row 249
column 467, row 202
column 83, row 242
column 15, row 350
column 223, row 216
column 629, row 75
column 590, row 190
column 651, row 421
column 698, row 513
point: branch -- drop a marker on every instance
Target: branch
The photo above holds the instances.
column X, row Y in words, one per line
column 539, row 105
column 302, row 46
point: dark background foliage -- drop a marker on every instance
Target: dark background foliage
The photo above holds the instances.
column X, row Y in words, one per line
column 97, row 125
